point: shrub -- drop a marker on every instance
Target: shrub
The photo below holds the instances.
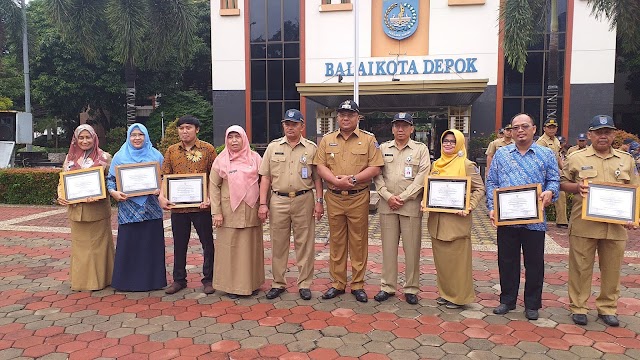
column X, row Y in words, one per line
column 38, row 186
column 621, row 135
column 170, row 136
column 115, row 138
column 478, row 145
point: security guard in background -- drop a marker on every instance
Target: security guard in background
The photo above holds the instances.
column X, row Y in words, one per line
column 598, row 162
column 406, row 163
column 347, row 159
column 287, row 172
column 549, row 139
column 496, row 144
column 582, row 143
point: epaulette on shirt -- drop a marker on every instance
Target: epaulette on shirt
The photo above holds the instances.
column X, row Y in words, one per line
column 331, row 132
column 577, row 151
column 622, row 152
column 366, row 132
column 277, row 140
column 309, row 142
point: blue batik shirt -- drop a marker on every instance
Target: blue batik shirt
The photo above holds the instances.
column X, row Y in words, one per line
column 510, row 168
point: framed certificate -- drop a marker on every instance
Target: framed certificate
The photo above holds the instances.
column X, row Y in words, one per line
column 517, row 205
column 78, row 185
column 185, row 190
column 138, row 179
column 447, row 193
column 611, row 203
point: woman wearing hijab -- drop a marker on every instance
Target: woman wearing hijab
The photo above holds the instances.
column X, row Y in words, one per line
column 140, row 261
column 91, row 239
column 234, row 192
column 451, row 232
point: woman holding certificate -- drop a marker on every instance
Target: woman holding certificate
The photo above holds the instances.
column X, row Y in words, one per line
column 234, row 193
column 140, row 260
column 91, row 239
column 451, row 231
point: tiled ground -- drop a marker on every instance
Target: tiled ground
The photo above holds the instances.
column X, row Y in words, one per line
column 40, row 317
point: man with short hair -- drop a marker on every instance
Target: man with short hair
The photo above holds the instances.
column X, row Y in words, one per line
column 550, row 140
column 190, row 156
column 406, row 163
column 522, row 163
column 347, row 160
column 581, row 144
column 286, row 172
column 626, row 145
column 598, row 162
column 496, row 144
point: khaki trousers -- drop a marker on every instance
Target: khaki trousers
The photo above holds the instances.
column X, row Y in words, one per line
column 581, row 259
column 561, row 209
column 392, row 225
column 286, row 214
column 348, row 235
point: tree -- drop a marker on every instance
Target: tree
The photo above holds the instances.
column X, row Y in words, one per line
column 140, row 31
column 10, row 21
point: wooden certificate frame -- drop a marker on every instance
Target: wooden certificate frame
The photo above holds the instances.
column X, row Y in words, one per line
column 202, row 177
column 438, row 182
column 69, row 180
column 514, row 191
column 146, row 171
column 622, row 190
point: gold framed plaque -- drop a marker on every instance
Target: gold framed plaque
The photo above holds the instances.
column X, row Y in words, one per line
column 448, row 194
column 516, row 205
column 138, row 179
column 611, row 203
column 185, row 190
column 78, row 185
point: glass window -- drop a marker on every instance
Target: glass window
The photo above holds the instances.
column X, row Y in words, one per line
column 258, row 51
column 275, row 120
column 293, row 105
column 292, row 50
column 534, row 107
column 291, row 18
column 274, row 51
column 512, row 81
column 274, row 22
column 274, row 71
column 510, row 107
column 257, row 26
column 259, row 122
column 534, row 74
column 291, row 77
column 228, row 4
column 258, row 80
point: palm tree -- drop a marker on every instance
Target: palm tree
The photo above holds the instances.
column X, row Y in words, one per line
column 10, row 22
column 143, row 32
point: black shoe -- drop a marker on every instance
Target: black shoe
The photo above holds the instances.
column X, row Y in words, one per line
column 441, row 301
column 305, row 294
column 382, row 296
column 174, row 288
column 274, row 293
column 360, row 295
column 411, row 298
column 610, row 320
column 562, row 226
column 233, row 296
column 331, row 293
column 451, row 305
column 579, row 319
column 503, row 309
column 208, row 289
column 531, row 314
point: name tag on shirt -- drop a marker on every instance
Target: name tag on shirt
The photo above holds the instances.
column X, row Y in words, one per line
column 408, row 172
column 305, row 173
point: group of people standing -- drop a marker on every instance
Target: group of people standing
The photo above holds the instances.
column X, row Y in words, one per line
column 285, row 187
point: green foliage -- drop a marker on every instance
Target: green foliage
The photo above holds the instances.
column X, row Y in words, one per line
column 5, row 103
column 478, row 145
column 36, row 186
column 115, row 138
column 624, row 17
column 179, row 104
column 170, row 136
column 34, row 148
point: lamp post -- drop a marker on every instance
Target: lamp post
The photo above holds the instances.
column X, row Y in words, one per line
column 25, row 65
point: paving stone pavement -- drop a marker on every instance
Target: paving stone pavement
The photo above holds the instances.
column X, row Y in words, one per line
column 40, row 317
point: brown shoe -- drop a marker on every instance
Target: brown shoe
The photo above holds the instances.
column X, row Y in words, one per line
column 208, row 289
column 174, row 288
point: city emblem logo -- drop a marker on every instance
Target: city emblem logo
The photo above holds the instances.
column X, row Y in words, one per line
column 400, row 18
column 290, row 114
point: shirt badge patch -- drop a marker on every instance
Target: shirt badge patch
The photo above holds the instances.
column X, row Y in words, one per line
column 586, row 167
column 375, row 143
column 333, row 144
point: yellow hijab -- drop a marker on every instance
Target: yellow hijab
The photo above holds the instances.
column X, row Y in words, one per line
column 454, row 164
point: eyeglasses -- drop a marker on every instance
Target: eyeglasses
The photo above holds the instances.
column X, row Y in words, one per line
column 523, row 127
column 447, row 141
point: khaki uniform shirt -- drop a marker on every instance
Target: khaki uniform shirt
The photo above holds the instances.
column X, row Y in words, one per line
column 586, row 164
column 349, row 156
column 396, row 179
column 290, row 168
column 245, row 216
column 448, row 226
column 497, row 144
column 573, row 149
column 553, row 144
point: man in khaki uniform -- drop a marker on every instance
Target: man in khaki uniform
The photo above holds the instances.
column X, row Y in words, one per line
column 287, row 173
column 598, row 162
column 347, row 159
column 582, row 143
column 549, row 139
column 498, row 143
column 406, row 163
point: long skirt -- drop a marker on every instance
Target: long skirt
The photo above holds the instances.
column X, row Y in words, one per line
column 91, row 254
column 454, row 272
column 140, row 260
column 238, row 266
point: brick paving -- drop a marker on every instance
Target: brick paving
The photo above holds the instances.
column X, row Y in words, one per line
column 40, row 317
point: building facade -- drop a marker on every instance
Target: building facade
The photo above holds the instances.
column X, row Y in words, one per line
column 441, row 60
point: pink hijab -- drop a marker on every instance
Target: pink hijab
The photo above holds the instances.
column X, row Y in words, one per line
column 80, row 159
column 240, row 169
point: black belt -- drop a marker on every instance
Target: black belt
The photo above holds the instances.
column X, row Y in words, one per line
column 347, row 192
column 291, row 194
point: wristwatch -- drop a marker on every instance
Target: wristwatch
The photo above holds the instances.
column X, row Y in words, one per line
column 354, row 180
column 319, row 200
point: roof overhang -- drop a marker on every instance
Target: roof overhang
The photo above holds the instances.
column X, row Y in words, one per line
column 397, row 95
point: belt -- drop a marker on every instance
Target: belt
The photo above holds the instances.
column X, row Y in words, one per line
column 347, row 192
column 291, row 194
